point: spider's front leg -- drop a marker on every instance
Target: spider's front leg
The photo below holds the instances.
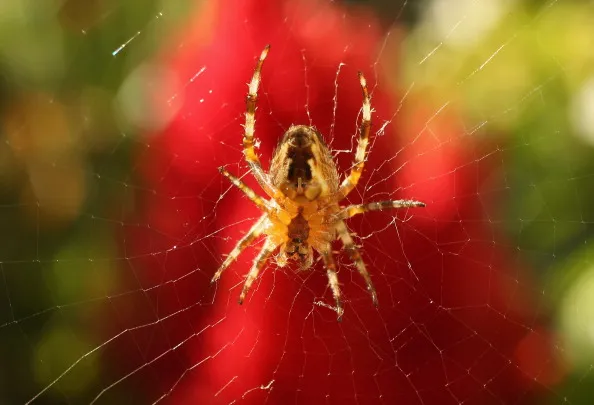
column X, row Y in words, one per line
column 348, row 242
column 256, row 229
column 259, row 262
column 355, row 256
column 248, row 238
column 333, row 279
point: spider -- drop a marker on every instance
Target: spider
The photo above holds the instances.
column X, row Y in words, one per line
column 303, row 213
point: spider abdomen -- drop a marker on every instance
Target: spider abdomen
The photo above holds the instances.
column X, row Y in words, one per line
column 302, row 167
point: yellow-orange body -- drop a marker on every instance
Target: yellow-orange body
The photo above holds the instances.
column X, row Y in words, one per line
column 303, row 170
column 303, row 213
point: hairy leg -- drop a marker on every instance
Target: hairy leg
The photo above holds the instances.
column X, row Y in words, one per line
column 356, row 209
column 249, row 150
column 259, row 263
column 351, row 181
column 333, row 279
column 244, row 242
column 261, row 203
column 355, row 256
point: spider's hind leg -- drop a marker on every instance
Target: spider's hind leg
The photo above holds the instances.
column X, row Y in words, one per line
column 351, row 181
column 249, row 150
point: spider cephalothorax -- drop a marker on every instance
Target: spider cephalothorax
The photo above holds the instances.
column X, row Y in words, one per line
column 303, row 213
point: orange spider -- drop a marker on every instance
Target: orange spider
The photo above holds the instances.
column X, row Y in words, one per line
column 303, row 213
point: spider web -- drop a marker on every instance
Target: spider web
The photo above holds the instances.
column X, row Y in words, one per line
column 115, row 118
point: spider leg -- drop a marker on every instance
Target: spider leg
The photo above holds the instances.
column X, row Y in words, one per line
column 356, row 209
column 248, row 238
column 355, row 256
column 333, row 279
column 249, row 128
column 351, row 181
column 261, row 203
column 259, row 263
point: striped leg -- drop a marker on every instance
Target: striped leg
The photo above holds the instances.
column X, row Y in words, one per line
column 259, row 263
column 355, row 256
column 249, row 150
column 356, row 209
column 248, row 238
column 351, row 181
column 333, row 280
column 261, row 203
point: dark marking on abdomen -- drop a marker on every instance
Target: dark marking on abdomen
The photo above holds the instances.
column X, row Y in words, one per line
column 299, row 167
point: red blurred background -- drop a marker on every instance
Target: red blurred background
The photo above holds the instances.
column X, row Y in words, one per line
column 451, row 324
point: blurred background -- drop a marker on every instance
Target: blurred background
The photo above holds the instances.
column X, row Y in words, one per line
column 114, row 116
